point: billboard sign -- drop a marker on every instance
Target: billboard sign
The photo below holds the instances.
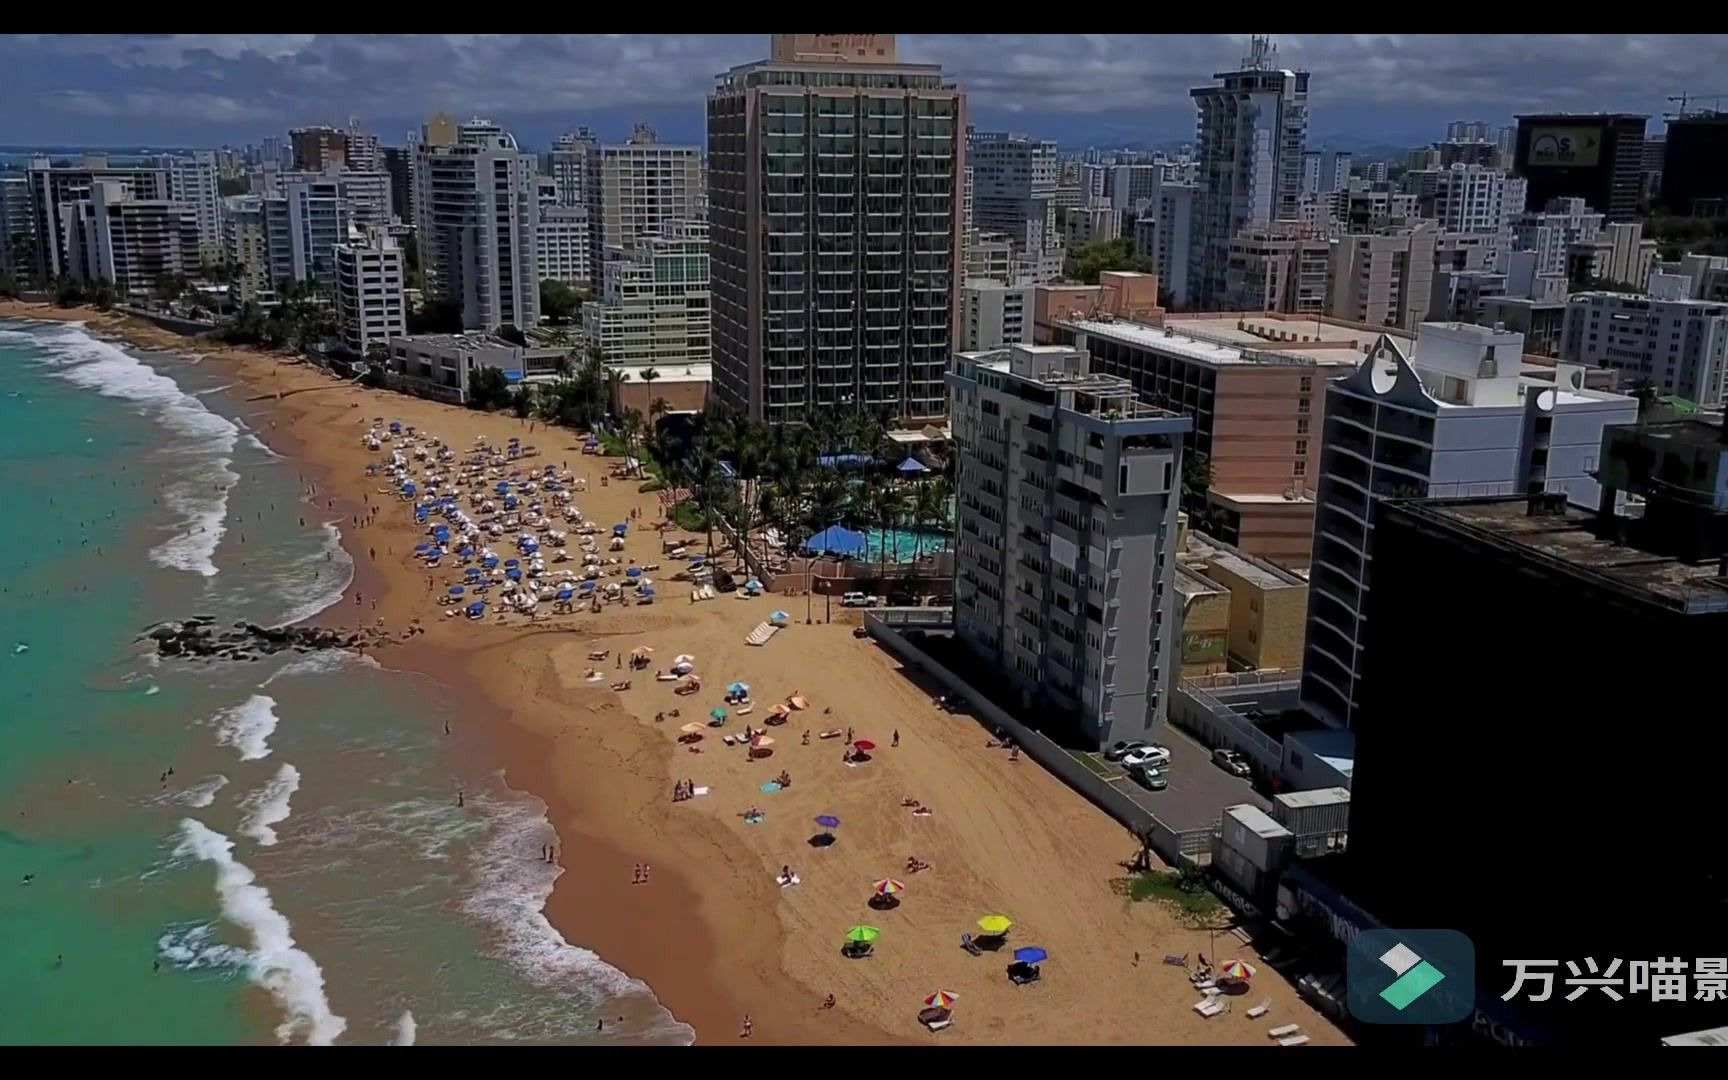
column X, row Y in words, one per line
column 1565, row 147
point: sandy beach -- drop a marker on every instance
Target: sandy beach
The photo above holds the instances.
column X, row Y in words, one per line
column 711, row 931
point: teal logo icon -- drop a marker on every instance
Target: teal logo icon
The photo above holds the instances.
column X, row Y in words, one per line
column 1412, row 976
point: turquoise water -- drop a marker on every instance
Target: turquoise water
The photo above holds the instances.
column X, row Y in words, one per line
column 904, row 545
column 304, row 874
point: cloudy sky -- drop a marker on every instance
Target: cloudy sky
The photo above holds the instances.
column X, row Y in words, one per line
column 206, row 89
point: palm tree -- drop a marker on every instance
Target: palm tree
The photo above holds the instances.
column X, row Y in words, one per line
column 928, row 510
column 648, row 375
column 657, row 408
column 632, row 431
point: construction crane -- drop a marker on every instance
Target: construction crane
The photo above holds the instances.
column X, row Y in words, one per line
column 1683, row 98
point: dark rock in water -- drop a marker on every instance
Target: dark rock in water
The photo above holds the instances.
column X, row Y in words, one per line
column 195, row 637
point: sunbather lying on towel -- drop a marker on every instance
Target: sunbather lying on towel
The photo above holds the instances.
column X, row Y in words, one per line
column 625, row 685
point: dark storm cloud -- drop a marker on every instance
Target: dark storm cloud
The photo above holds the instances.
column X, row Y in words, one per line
column 1078, row 87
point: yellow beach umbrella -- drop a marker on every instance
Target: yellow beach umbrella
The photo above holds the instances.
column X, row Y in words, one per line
column 995, row 924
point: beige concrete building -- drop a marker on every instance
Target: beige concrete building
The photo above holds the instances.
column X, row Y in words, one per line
column 1267, row 606
column 1384, row 278
column 1278, row 267
column 1203, row 609
column 1618, row 253
column 1119, row 294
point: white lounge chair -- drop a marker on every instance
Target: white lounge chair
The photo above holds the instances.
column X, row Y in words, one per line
column 1293, row 1040
column 761, row 634
column 938, row 1025
column 1284, row 1031
column 1260, row 1010
column 1209, row 1007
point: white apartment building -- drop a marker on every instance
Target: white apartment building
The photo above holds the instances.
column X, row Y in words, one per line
column 1551, row 231
column 637, row 190
column 994, row 315
column 193, row 180
column 1172, row 248
column 52, row 187
column 1619, row 253
column 1132, row 184
column 479, row 216
column 1013, row 185
column 303, row 225
column 1277, row 267
column 656, row 303
column 1468, row 198
column 1084, row 225
column 561, row 245
column 369, row 276
column 1252, row 126
column 1454, row 418
column 362, row 152
column 573, row 155
column 128, row 242
column 1311, row 168
column 1067, row 493
column 17, row 229
column 246, row 244
column 1679, row 346
column 990, row 257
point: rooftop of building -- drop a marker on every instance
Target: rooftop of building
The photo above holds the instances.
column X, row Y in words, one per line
column 1191, row 584
column 470, row 339
column 1060, row 369
column 1217, row 339
column 1703, row 305
column 1266, row 575
column 1563, row 536
column 1691, row 432
column 665, row 373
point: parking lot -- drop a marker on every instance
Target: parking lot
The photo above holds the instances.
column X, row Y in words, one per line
column 1198, row 792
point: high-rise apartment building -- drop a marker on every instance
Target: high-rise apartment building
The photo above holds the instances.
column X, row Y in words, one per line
column 835, row 205
column 398, row 163
column 1598, row 157
column 369, row 277
column 246, row 244
column 17, row 229
column 1694, row 164
column 1132, row 185
column 1281, row 266
column 561, row 245
column 655, row 302
column 1252, row 126
column 574, row 154
column 317, row 149
column 1551, row 231
column 1453, row 418
column 1385, row 278
column 1014, row 180
column 1172, row 244
column 478, row 214
column 52, row 187
column 129, row 243
column 994, row 315
column 1312, row 167
column 1679, row 346
column 361, row 152
column 637, row 189
column 192, row 180
column 302, row 227
column 1335, row 175
column 1064, row 570
column 1467, row 198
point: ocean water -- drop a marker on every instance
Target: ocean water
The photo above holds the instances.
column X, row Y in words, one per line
column 304, row 875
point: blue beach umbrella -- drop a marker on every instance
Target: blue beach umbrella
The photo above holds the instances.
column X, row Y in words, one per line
column 478, row 607
column 587, row 586
column 509, row 502
column 1031, row 954
column 566, row 593
column 422, row 547
column 513, row 574
column 457, row 590
column 698, row 560
column 502, row 488
column 828, row 821
column 419, row 515
column 489, row 562
column 633, row 573
column 508, row 563
column 738, row 688
column 408, row 488
column 647, row 592
column 620, row 529
column 473, row 573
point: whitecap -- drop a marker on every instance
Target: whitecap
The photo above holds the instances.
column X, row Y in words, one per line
column 202, row 793
column 274, row 961
column 323, row 662
column 269, row 805
column 247, row 726
column 406, row 1030
column 193, row 946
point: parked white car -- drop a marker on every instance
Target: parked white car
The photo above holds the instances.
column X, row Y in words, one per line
column 858, row 599
column 1152, row 756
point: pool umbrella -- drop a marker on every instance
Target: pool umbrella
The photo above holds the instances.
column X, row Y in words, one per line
column 1031, row 954
column 692, row 728
column 995, row 924
column 1237, row 969
column 888, row 887
column 912, row 465
column 738, row 688
column 864, row 744
column 941, row 999
column 863, row 934
column 828, row 821
column 718, row 714
column 457, row 590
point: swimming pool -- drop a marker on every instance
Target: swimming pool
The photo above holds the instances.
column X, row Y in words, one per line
column 905, row 544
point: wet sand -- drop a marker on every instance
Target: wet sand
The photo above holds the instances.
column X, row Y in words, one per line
column 712, row 932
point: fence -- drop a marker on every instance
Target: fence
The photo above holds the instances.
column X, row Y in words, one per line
column 1197, row 710
column 1171, row 845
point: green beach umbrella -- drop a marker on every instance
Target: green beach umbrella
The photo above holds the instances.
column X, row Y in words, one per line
column 718, row 714
column 863, row 934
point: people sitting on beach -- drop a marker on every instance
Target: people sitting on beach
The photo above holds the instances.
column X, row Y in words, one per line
column 784, row 779
column 828, row 1002
column 1014, row 753
column 915, row 864
column 805, row 741
column 910, row 801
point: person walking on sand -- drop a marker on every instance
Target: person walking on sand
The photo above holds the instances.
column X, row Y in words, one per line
column 896, row 741
column 636, row 878
column 745, row 1033
column 848, row 736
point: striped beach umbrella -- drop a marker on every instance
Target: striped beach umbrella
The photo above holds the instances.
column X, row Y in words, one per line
column 1237, row 969
column 941, row 999
column 888, row 887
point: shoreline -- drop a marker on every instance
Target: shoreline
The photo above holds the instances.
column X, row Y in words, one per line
column 713, row 936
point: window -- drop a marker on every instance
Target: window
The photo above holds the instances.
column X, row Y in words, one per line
column 1302, row 405
column 1307, row 384
column 1301, row 468
column 1302, row 426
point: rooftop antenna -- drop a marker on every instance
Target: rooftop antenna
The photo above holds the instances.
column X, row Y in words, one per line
column 1261, row 53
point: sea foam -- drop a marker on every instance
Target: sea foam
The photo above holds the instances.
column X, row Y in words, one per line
column 274, row 962
column 269, row 805
column 406, row 1030
column 200, row 496
column 247, row 726
column 318, row 579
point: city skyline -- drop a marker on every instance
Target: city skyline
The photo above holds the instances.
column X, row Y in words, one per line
column 170, row 90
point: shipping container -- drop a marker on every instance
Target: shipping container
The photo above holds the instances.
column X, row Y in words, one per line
column 1251, row 832
column 1310, row 813
column 1237, row 871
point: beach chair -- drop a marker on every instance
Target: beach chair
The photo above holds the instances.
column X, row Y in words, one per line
column 969, row 945
column 1210, row 1007
column 1261, row 1009
column 938, row 1025
column 1293, row 1040
column 1283, row 1031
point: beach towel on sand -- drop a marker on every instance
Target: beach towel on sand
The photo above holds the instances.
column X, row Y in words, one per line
column 699, row 791
column 770, row 787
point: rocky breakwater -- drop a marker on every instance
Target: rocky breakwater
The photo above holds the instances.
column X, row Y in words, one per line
column 198, row 638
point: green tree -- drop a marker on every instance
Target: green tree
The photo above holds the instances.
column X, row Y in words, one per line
column 558, row 301
column 8, row 287
column 67, row 292
column 1084, row 264
column 1196, row 480
column 487, row 388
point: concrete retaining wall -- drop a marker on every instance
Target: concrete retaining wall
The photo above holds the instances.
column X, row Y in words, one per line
column 1170, row 845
